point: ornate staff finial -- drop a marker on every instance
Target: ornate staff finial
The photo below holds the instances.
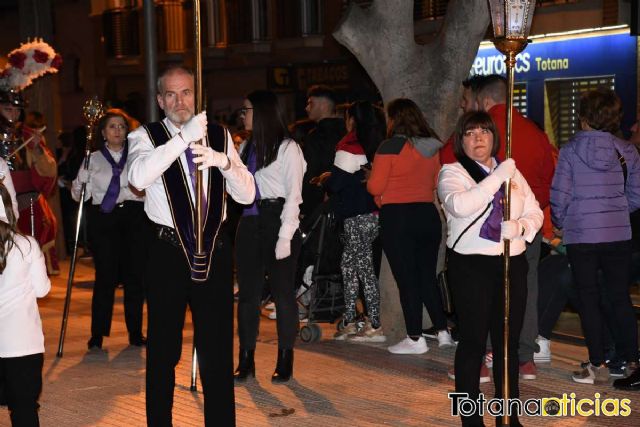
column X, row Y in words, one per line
column 92, row 110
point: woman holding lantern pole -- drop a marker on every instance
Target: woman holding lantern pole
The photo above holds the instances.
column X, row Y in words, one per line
column 471, row 192
column 117, row 225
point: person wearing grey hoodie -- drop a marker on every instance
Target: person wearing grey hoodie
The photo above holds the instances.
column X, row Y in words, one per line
column 402, row 182
column 595, row 187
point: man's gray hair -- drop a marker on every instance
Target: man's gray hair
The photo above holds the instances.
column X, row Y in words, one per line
column 174, row 69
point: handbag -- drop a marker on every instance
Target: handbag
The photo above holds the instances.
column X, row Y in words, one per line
column 443, row 282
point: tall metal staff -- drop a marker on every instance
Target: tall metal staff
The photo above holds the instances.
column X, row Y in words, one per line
column 92, row 111
column 199, row 190
column 511, row 21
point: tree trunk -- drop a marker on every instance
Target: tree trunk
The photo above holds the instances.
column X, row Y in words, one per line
column 382, row 39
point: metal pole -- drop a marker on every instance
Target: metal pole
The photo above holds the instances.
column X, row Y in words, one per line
column 510, row 61
column 151, row 59
column 92, row 111
column 199, row 190
column 32, row 217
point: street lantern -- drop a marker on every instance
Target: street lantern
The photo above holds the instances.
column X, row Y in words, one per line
column 511, row 21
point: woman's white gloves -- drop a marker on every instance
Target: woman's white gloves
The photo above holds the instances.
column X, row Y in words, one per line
column 511, row 229
column 505, row 170
column 195, row 129
column 83, row 176
column 207, row 157
column 283, row 248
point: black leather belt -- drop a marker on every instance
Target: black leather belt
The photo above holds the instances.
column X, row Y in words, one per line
column 271, row 203
column 169, row 235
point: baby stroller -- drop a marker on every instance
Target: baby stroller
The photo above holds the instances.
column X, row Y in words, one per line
column 323, row 298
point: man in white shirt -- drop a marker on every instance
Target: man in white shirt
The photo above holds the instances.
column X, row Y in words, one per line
column 163, row 165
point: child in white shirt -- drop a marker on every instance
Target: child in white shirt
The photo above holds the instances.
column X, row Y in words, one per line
column 23, row 279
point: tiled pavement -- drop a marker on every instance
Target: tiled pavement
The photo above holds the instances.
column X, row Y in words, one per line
column 336, row 384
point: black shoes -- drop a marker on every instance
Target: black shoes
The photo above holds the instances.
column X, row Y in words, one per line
column 632, row 382
column 138, row 340
column 284, row 367
column 246, row 366
column 94, row 342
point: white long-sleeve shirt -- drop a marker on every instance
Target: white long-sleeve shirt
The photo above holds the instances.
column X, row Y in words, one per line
column 463, row 200
column 283, row 178
column 8, row 182
column 100, row 173
column 23, row 280
column 147, row 164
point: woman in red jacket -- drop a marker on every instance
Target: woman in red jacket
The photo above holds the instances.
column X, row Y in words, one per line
column 402, row 181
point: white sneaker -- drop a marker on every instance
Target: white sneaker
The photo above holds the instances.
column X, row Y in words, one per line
column 273, row 315
column 271, row 306
column 409, row 346
column 544, row 355
column 444, row 339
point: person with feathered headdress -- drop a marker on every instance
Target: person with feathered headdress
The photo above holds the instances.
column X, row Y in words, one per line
column 33, row 166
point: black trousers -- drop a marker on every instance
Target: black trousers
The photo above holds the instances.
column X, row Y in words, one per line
column 170, row 291
column 478, row 295
column 119, row 248
column 411, row 235
column 255, row 258
column 614, row 259
column 22, row 388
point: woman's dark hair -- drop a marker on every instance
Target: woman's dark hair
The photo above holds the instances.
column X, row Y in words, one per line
column 269, row 126
column 406, row 118
column 601, row 109
column 368, row 126
column 474, row 120
column 129, row 122
column 7, row 231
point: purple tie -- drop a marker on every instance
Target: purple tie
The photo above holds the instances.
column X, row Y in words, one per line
column 490, row 229
column 192, row 174
column 113, row 191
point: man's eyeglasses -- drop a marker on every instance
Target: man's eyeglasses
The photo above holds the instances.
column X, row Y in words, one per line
column 244, row 110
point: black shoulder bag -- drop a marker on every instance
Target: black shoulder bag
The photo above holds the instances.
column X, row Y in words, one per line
column 443, row 283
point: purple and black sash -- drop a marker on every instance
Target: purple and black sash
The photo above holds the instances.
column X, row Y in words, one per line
column 182, row 207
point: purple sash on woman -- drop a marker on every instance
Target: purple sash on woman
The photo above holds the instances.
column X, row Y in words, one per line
column 113, row 191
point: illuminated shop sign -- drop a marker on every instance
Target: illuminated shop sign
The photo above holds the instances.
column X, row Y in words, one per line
column 597, row 55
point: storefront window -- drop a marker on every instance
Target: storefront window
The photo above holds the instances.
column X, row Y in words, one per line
column 562, row 103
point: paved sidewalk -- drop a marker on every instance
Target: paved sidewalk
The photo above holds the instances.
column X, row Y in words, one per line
column 336, row 383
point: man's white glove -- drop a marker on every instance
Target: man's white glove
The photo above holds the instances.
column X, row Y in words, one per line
column 511, row 229
column 505, row 170
column 307, row 277
column 195, row 129
column 83, row 176
column 208, row 157
column 283, row 248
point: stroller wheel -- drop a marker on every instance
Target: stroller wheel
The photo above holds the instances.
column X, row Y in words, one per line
column 310, row 333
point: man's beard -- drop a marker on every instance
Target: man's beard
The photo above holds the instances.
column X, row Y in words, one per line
column 179, row 118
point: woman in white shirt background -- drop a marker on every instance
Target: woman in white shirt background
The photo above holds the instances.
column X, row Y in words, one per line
column 117, row 229
column 268, row 241
column 23, row 279
column 471, row 192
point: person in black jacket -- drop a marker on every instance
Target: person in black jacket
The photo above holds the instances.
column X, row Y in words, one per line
column 351, row 202
column 319, row 145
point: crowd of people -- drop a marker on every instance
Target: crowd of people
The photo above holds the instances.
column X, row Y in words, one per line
column 388, row 178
